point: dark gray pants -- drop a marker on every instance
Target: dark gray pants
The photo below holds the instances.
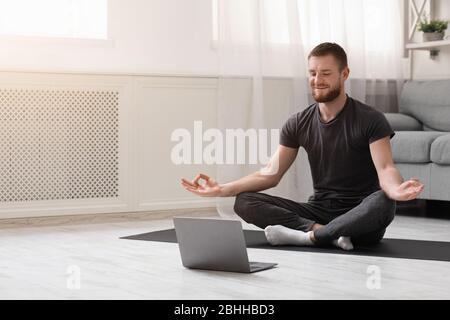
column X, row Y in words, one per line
column 365, row 222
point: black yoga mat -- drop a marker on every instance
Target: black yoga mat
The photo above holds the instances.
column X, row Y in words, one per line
column 389, row 248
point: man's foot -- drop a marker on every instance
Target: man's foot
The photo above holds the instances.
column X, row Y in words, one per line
column 343, row 243
column 280, row 235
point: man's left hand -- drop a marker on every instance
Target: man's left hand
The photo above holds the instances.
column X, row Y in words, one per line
column 408, row 190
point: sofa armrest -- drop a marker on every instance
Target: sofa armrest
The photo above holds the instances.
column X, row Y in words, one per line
column 402, row 122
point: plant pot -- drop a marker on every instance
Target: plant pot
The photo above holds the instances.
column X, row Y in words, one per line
column 433, row 36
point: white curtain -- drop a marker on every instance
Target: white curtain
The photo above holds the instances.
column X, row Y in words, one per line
column 370, row 31
column 263, row 46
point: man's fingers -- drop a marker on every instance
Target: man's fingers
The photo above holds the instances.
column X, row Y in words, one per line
column 411, row 196
column 406, row 185
column 184, row 181
column 416, row 181
column 414, row 190
column 190, row 186
column 200, row 176
column 411, row 183
column 200, row 189
column 411, row 193
column 418, row 188
column 414, row 193
column 185, row 185
column 193, row 190
column 195, row 181
column 199, row 192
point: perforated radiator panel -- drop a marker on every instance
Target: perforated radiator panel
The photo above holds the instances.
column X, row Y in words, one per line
column 58, row 145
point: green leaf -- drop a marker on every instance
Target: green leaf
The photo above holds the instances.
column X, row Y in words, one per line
column 432, row 26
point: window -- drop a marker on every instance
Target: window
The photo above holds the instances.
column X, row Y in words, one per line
column 81, row 19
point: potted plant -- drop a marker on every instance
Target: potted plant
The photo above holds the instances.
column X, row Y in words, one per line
column 433, row 30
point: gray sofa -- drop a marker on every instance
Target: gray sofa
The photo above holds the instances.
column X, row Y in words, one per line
column 421, row 145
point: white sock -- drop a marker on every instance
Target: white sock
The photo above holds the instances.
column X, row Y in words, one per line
column 343, row 243
column 280, row 235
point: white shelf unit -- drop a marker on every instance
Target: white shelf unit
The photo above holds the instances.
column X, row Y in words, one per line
column 430, row 45
column 413, row 11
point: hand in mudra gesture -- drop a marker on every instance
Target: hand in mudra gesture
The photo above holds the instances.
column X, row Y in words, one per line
column 408, row 190
column 210, row 188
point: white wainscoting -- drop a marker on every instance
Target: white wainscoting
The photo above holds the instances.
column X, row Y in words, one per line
column 162, row 105
column 149, row 109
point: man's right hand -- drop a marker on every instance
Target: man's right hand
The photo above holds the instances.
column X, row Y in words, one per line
column 209, row 189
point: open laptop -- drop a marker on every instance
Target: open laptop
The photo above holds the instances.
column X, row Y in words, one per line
column 214, row 244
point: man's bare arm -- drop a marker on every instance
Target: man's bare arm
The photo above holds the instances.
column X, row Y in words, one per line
column 266, row 178
column 390, row 178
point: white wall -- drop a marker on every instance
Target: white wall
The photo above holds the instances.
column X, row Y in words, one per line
column 150, row 108
column 423, row 66
column 148, row 36
column 162, row 37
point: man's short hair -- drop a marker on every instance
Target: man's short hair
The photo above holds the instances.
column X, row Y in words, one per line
column 328, row 48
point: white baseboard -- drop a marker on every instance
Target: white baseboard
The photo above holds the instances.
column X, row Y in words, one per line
column 176, row 204
column 49, row 209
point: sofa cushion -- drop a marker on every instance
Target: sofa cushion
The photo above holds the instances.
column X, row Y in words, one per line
column 440, row 150
column 413, row 146
column 428, row 102
column 425, row 128
column 402, row 122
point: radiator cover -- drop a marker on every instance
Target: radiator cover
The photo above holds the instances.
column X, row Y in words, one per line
column 58, row 144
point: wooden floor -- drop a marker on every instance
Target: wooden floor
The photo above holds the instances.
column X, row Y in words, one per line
column 41, row 262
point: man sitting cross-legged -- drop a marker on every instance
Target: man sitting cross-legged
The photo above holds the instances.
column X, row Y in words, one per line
column 356, row 184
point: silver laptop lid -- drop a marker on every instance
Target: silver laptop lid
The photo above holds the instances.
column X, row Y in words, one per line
column 214, row 244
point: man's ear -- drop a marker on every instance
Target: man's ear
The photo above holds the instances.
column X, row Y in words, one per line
column 345, row 73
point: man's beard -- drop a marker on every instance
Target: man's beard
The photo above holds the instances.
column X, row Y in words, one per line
column 330, row 96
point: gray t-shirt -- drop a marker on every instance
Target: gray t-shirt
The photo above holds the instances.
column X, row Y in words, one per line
column 338, row 151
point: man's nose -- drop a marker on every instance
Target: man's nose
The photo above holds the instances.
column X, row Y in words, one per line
column 317, row 78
